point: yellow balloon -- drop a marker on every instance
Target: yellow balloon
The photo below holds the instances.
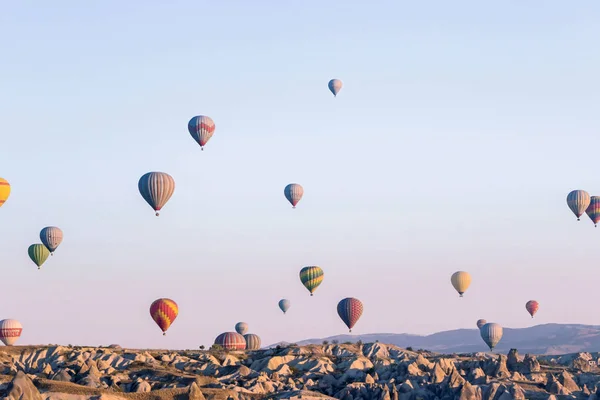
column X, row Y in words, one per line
column 461, row 281
column 4, row 191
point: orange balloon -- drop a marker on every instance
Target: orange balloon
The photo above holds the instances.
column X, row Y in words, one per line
column 164, row 312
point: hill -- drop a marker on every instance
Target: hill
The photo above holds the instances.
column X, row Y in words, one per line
column 374, row 371
column 540, row 339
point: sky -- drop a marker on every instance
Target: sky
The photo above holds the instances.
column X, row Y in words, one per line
column 460, row 130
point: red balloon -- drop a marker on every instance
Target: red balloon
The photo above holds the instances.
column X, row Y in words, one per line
column 532, row 307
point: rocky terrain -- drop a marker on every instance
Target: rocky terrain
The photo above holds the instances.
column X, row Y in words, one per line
column 343, row 371
column 539, row 339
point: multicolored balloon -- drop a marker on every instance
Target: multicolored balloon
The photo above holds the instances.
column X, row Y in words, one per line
column 163, row 312
column 156, row 188
column 4, row 191
column 578, row 201
column 593, row 210
column 10, row 331
column 252, row 341
column 284, row 305
column 491, row 334
column 241, row 328
column 532, row 307
column 461, row 281
column 335, row 85
column 231, row 341
column 201, row 128
column 350, row 310
column 293, row 193
column 38, row 254
column 480, row 323
column 51, row 237
column 311, row 277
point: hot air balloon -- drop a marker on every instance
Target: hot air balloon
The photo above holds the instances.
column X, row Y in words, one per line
column 252, row 341
column 293, row 192
column 201, row 128
column 532, row 306
column 311, row 277
column 593, row 210
column 284, row 305
column 578, row 201
column 231, row 341
column 38, row 254
column 10, row 331
column 4, row 191
column 480, row 323
column 164, row 312
column 350, row 310
column 241, row 328
column 461, row 281
column 156, row 188
column 335, row 85
column 51, row 237
column 491, row 334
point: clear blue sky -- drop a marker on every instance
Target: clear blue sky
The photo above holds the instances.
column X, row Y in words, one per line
column 460, row 130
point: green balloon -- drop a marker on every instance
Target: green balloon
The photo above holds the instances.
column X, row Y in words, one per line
column 38, row 254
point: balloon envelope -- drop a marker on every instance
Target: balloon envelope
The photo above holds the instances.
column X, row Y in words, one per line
column 293, row 193
column 38, row 254
column 10, row 331
column 532, row 307
column 163, row 312
column 201, row 128
column 578, row 201
column 311, row 277
column 231, row 341
column 481, row 323
column 461, row 281
column 350, row 310
column 4, row 191
column 252, row 341
column 491, row 334
column 593, row 210
column 156, row 188
column 335, row 85
column 51, row 237
column 241, row 328
column 284, row 305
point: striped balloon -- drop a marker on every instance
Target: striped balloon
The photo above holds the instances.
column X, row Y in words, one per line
column 461, row 281
column 252, row 341
column 241, row 328
column 10, row 331
column 164, row 312
column 201, row 128
column 284, row 305
column 480, row 323
column 156, row 188
column 38, row 254
column 231, row 341
column 293, row 193
column 491, row 334
column 335, row 85
column 311, row 277
column 51, row 237
column 4, row 191
column 593, row 210
column 350, row 310
column 532, row 307
column 578, row 201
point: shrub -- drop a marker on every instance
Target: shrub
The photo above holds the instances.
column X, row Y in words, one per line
column 334, row 341
column 360, row 342
column 201, row 347
column 409, row 348
column 325, row 342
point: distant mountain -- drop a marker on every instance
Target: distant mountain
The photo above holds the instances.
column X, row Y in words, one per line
column 540, row 339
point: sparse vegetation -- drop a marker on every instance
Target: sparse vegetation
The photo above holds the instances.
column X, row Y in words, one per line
column 335, row 341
